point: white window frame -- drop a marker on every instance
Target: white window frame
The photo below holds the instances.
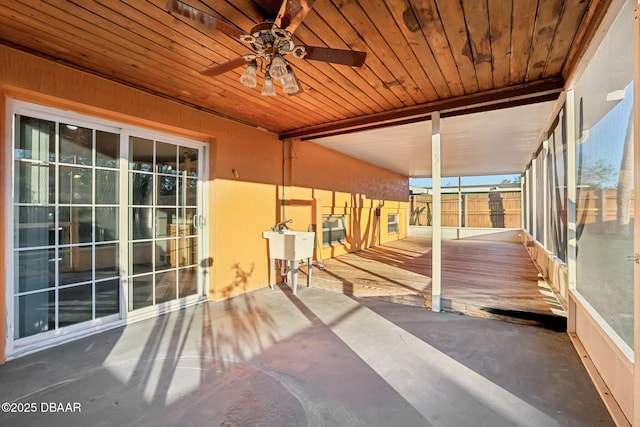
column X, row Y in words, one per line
column 341, row 219
column 394, row 223
column 41, row 341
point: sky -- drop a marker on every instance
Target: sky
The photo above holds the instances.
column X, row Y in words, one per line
column 605, row 141
column 465, row 180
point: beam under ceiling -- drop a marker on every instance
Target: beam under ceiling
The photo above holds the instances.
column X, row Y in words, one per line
column 528, row 93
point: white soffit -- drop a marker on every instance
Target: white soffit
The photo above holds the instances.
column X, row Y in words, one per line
column 488, row 143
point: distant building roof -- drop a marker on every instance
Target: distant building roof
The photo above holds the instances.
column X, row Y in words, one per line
column 467, row 188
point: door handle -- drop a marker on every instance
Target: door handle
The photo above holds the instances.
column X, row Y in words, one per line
column 198, row 221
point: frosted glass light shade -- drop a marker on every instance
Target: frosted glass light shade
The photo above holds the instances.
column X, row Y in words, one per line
column 289, row 84
column 248, row 78
column 267, row 88
column 278, row 67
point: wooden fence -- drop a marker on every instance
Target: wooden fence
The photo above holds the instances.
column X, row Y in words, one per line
column 494, row 209
column 600, row 206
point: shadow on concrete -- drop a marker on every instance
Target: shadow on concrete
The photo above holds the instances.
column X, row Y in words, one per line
column 320, row 358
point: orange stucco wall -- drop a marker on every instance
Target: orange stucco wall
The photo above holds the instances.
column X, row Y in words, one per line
column 325, row 182
column 240, row 205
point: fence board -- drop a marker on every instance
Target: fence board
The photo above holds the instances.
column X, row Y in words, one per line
column 486, row 210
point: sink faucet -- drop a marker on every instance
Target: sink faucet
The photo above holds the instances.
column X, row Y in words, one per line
column 282, row 225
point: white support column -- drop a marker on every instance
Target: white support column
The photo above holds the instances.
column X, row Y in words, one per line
column 522, row 203
column 459, row 206
column 436, row 222
column 527, row 184
column 545, row 194
column 534, row 199
column 636, row 124
column 570, row 127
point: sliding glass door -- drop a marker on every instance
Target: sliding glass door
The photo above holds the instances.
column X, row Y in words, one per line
column 106, row 221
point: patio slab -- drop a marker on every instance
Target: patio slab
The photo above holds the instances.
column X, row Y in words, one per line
column 320, row 358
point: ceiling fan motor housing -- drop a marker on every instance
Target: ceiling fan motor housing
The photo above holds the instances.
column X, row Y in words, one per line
column 268, row 41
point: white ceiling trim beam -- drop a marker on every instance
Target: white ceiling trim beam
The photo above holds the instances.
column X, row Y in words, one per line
column 485, row 143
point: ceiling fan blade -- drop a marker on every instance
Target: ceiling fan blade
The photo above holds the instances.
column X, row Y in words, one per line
column 224, row 67
column 291, row 14
column 205, row 19
column 352, row 58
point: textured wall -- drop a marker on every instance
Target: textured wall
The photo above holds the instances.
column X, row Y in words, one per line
column 242, row 203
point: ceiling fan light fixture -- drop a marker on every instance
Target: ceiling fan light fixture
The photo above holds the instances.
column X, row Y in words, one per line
column 270, row 41
column 267, row 87
column 278, row 67
column 248, row 78
column 289, row 83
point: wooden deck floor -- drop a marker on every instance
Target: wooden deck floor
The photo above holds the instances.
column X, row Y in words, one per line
column 490, row 279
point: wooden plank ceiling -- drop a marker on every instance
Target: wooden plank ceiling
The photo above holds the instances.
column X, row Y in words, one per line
column 422, row 55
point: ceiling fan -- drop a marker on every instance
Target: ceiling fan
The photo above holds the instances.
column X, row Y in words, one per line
column 271, row 42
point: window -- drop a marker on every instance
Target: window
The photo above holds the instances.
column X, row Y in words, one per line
column 392, row 223
column 605, row 190
column 333, row 229
column 557, row 190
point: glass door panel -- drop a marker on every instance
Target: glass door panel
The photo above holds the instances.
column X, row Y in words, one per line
column 140, row 291
column 187, row 279
column 107, row 298
column 163, row 202
column 65, row 248
column 75, row 305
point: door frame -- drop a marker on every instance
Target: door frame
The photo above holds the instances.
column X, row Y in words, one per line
column 41, row 341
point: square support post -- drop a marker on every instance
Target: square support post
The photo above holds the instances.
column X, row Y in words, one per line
column 534, row 199
column 525, row 193
column 523, row 214
column 459, row 207
column 572, row 242
column 436, row 248
column 636, row 285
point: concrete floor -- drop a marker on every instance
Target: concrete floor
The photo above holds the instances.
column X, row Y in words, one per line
column 320, row 358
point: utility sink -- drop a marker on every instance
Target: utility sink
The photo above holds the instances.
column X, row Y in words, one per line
column 290, row 245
